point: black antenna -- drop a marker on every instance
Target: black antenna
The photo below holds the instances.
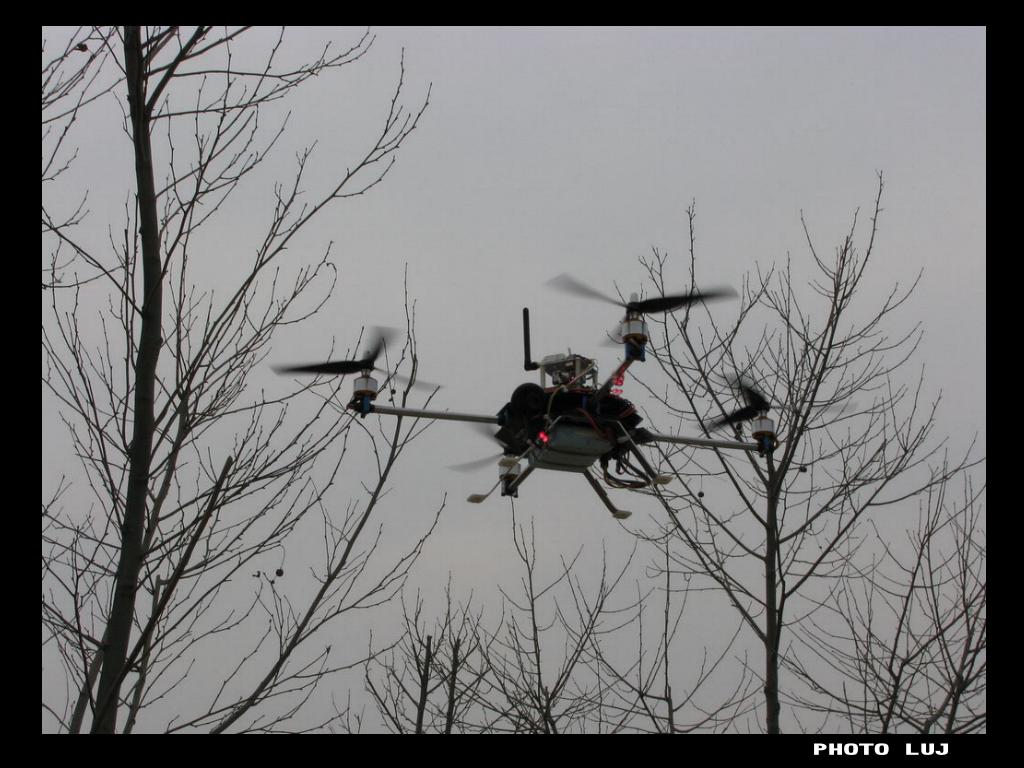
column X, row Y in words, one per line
column 528, row 364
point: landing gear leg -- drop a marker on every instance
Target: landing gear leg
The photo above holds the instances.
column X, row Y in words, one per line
column 652, row 474
column 618, row 514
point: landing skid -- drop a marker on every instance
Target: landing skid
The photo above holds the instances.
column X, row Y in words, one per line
column 618, row 514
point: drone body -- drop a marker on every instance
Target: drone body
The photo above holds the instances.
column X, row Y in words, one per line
column 563, row 428
column 568, row 422
column 572, row 424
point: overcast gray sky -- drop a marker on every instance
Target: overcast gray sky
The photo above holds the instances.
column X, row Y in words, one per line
column 577, row 150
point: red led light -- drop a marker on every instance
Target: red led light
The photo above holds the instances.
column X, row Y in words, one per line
column 543, row 437
column 619, row 380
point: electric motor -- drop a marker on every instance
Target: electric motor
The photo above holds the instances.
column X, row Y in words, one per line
column 365, row 386
column 763, row 431
column 634, row 330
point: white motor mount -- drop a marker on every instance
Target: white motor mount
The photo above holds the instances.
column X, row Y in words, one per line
column 509, row 470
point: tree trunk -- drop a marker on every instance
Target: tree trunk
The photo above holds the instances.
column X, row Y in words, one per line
column 133, row 523
column 421, row 704
column 450, row 715
column 771, row 602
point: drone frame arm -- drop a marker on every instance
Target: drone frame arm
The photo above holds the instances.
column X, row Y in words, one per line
column 701, row 442
column 418, row 413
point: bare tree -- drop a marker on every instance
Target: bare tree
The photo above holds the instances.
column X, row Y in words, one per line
column 197, row 481
column 422, row 685
column 908, row 642
column 775, row 531
column 661, row 688
column 530, row 673
column 552, row 663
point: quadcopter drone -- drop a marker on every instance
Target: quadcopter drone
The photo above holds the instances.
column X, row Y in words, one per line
column 570, row 421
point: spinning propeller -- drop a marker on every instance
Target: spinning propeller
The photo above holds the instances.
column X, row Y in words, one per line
column 756, row 404
column 473, row 466
column 487, row 461
column 337, row 367
column 569, row 284
column 380, row 337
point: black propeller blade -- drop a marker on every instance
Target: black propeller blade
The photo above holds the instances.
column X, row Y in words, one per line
column 756, row 404
column 668, row 303
column 338, row 367
column 570, row 284
column 381, row 337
